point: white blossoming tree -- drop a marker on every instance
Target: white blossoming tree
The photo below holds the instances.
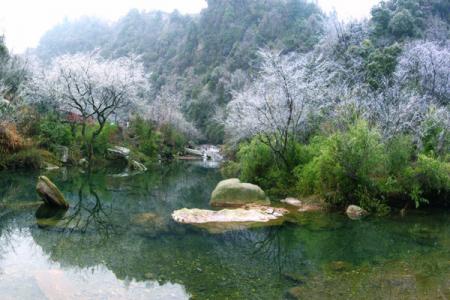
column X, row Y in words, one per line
column 92, row 87
column 426, row 66
column 276, row 106
column 165, row 109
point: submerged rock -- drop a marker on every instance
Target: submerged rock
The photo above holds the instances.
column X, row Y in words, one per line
column 150, row 223
column 310, row 207
column 355, row 212
column 51, row 195
column 292, row 202
column 231, row 219
column 232, row 192
column 84, row 163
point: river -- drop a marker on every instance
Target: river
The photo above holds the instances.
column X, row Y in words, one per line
column 117, row 241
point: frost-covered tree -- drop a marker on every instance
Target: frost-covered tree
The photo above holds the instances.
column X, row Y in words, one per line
column 91, row 86
column 13, row 73
column 425, row 66
column 396, row 111
column 165, row 109
column 275, row 107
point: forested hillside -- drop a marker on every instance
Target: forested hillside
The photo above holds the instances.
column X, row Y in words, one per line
column 203, row 56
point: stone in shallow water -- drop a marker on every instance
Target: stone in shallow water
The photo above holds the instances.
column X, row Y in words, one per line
column 310, row 207
column 51, row 195
column 150, row 223
column 137, row 166
column 292, row 202
column 233, row 192
column 231, row 219
column 355, row 212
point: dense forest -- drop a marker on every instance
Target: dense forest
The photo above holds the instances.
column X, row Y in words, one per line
column 354, row 112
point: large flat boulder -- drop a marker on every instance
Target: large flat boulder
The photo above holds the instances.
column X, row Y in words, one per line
column 234, row 193
column 49, row 193
column 231, row 219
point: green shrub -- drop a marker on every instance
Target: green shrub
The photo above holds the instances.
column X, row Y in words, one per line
column 28, row 159
column 171, row 141
column 147, row 140
column 230, row 169
column 107, row 138
column 349, row 164
column 258, row 165
column 431, row 180
column 53, row 132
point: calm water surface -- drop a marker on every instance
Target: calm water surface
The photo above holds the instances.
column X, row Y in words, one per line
column 117, row 241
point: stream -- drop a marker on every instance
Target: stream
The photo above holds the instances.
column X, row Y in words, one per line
column 117, row 241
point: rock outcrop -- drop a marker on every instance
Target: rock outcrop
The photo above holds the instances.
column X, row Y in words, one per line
column 118, row 152
column 49, row 193
column 234, row 193
column 355, row 212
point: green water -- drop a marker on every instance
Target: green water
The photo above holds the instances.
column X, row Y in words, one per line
column 117, row 241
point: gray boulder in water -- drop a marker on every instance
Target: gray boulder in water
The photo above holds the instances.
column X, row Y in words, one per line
column 233, row 192
column 51, row 195
column 355, row 212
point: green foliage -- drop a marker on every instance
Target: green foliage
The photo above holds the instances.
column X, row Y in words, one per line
column 230, row 169
column 402, row 24
column 258, row 165
column 52, row 131
column 398, row 19
column 400, row 152
column 31, row 159
column 107, row 138
column 381, row 65
column 436, row 137
column 145, row 138
column 349, row 164
column 431, row 179
column 171, row 141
